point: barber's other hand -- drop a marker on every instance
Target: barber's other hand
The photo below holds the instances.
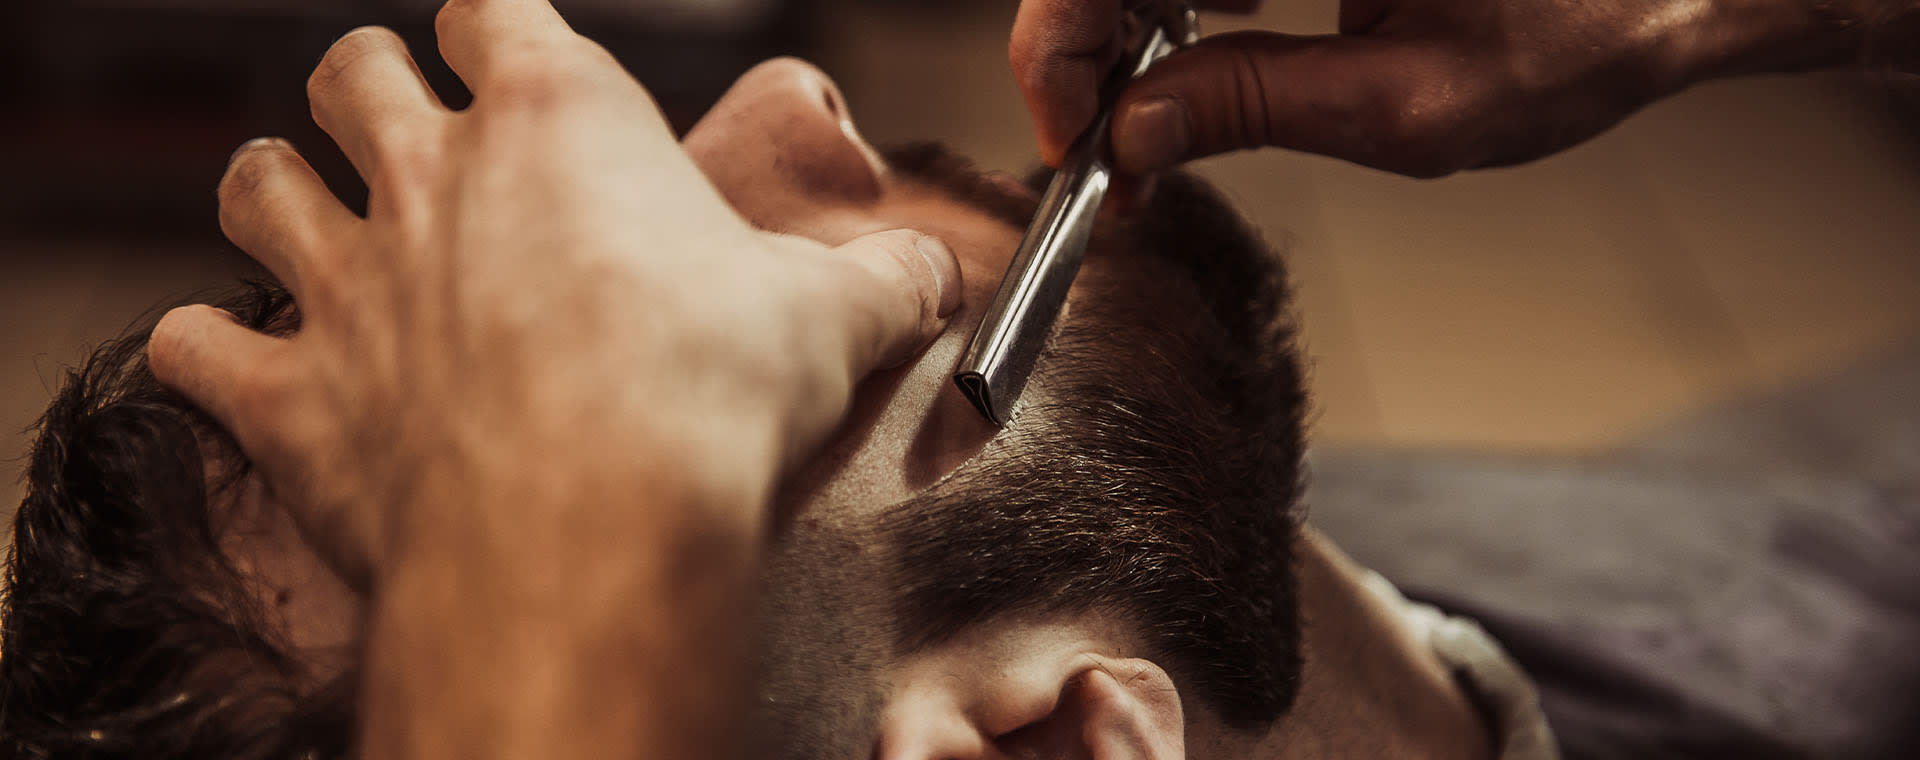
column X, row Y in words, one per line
column 1419, row 87
column 546, row 298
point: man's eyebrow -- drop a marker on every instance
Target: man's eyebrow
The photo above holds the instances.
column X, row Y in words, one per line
column 937, row 166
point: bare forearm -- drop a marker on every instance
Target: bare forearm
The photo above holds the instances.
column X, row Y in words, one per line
column 584, row 632
column 1764, row 36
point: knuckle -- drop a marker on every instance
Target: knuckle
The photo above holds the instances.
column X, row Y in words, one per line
column 1039, row 72
column 1402, row 117
column 345, row 53
column 253, row 212
column 169, row 340
column 1256, row 126
column 450, row 16
column 1424, row 129
column 1024, row 57
column 1028, row 77
column 252, row 166
column 199, row 311
column 924, row 284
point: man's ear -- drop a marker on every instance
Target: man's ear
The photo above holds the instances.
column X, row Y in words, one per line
column 1093, row 708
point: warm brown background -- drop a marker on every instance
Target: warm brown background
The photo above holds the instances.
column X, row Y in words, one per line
column 1744, row 237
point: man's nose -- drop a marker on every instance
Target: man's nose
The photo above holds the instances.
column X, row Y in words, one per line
column 780, row 142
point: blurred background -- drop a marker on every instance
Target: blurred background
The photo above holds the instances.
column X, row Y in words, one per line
column 1659, row 394
column 1741, row 239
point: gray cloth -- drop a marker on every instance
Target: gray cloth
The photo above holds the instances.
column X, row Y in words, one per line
column 1744, row 585
column 1499, row 687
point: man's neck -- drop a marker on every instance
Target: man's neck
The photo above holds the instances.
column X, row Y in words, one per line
column 1370, row 687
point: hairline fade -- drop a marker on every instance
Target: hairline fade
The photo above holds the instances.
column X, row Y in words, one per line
column 115, row 449
column 1153, row 471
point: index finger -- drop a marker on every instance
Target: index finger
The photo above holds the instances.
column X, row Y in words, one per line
column 1060, row 51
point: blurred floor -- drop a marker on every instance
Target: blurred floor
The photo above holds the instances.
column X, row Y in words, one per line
column 1736, row 239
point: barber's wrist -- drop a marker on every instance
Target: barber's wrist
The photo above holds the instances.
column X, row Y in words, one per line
column 613, row 631
column 656, row 482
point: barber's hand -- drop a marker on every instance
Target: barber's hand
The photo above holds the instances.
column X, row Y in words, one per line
column 546, row 297
column 1420, row 87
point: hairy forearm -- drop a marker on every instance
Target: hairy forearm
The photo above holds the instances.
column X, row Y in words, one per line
column 574, row 630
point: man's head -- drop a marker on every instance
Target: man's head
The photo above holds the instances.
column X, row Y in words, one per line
column 1117, row 557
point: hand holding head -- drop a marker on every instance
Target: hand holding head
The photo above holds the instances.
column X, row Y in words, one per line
column 546, row 272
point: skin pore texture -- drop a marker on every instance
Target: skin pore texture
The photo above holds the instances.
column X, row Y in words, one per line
column 782, row 151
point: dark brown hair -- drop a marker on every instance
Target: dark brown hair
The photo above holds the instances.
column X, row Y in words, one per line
column 1154, row 474
column 126, row 631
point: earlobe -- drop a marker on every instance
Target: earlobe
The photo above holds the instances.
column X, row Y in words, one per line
column 1121, row 709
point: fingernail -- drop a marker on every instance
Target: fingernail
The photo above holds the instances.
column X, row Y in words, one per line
column 940, row 260
column 1153, row 134
column 258, row 142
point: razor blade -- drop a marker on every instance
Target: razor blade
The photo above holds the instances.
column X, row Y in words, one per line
column 1021, row 318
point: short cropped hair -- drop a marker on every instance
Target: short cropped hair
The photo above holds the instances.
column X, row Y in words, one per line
column 1154, row 471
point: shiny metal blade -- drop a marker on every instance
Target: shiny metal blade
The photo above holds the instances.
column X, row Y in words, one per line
column 998, row 362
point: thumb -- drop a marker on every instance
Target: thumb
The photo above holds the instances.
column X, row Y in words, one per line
column 912, row 287
column 225, row 369
column 1349, row 97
